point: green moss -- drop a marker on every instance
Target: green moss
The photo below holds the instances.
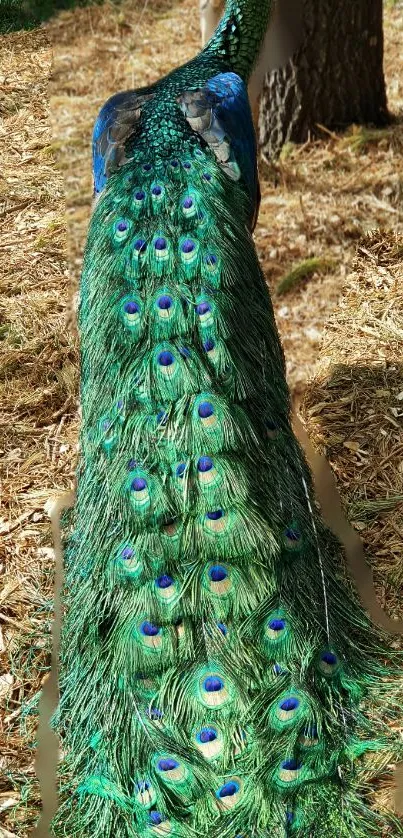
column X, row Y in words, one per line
column 305, row 269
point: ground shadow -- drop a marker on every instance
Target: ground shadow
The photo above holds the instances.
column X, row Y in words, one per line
column 355, row 414
column 356, row 411
column 27, row 14
column 16, row 15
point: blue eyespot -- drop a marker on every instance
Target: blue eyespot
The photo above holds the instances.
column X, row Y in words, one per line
column 207, row 734
column 205, row 410
column 292, row 534
column 143, row 785
column 157, row 818
column 154, row 714
column 228, row 790
column 215, row 516
column 277, row 625
column 164, row 302
column 291, row 765
column 138, row 484
column 289, row 704
column 168, row 764
column 211, row 259
column 205, row 464
column 311, row 732
column 131, row 307
column 164, row 582
column 140, row 245
column 188, row 246
column 213, row 684
column 218, row 573
column 329, row 658
column 149, row 629
column 166, row 359
column 203, row 308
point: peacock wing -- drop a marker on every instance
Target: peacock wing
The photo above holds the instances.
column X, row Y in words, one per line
column 220, row 114
column 117, row 121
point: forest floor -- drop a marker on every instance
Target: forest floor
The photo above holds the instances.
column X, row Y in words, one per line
column 317, row 203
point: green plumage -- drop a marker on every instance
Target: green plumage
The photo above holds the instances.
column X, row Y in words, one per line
column 217, row 676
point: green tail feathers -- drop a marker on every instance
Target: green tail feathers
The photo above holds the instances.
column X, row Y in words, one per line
column 217, row 676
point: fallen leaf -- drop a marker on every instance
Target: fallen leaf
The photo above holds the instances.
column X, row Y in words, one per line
column 6, row 685
column 351, row 445
column 8, row 803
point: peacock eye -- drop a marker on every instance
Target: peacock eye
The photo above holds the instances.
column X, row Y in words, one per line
column 188, row 246
column 164, row 302
column 140, row 245
column 205, row 410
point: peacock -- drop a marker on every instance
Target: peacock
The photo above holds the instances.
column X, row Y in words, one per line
column 218, row 676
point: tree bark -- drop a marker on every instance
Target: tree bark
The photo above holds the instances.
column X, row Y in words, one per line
column 335, row 79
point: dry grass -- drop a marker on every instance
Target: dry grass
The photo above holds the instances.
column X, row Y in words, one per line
column 317, row 203
column 37, row 381
column 354, row 407
column 353, row 410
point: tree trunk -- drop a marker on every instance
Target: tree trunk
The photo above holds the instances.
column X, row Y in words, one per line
column 335, row 79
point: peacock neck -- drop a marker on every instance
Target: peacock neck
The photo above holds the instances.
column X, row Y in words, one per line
column 239, row 35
